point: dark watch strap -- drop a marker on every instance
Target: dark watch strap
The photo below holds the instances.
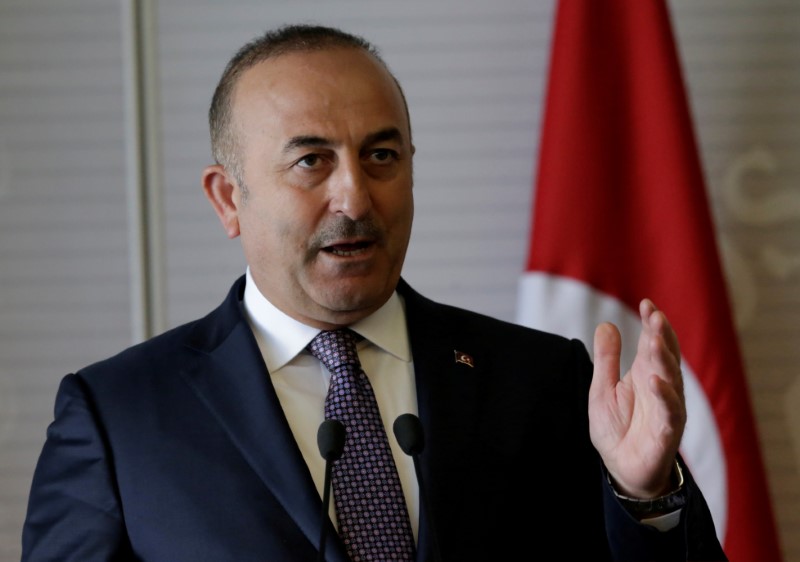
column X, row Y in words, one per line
column 661, row 505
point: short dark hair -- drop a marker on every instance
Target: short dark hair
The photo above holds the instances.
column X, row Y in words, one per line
column 280, row 41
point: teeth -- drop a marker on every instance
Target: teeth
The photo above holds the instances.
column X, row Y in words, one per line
column 346, row 253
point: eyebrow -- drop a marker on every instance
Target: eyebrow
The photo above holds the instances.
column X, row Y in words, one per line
column 387, row 134
column 304, row 141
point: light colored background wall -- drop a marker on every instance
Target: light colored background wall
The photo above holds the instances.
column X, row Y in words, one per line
column 474, row 74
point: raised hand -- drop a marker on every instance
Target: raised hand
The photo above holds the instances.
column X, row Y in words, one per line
column 636, row 422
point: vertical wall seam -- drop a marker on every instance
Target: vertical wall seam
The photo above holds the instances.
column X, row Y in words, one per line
column 144, row 172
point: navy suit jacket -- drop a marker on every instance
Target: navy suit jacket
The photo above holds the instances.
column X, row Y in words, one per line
column 177, row 449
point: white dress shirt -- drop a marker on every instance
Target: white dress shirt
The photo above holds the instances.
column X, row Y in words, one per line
column 301, row 381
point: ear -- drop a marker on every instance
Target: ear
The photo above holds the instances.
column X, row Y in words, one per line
column 223, row 193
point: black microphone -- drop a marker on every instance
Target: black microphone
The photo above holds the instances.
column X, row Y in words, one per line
column 330, row 440
column 408, row 431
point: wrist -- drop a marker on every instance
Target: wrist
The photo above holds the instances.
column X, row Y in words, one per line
column 672, row 500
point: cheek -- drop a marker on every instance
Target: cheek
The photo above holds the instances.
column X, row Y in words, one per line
column 398, row 210
column 287, row 237
column 261, row 233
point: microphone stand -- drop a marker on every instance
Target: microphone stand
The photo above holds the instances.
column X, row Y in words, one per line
column 410, row 436
column 330, row 440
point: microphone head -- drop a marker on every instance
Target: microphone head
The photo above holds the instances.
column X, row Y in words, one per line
column 408, row 431
column 330, row 439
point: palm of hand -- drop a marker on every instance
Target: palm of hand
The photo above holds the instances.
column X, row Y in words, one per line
column 636, row 422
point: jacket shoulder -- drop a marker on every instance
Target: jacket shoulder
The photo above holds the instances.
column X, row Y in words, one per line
column 449, row 318
column 167, row 349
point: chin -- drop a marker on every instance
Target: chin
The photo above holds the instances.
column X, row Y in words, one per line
column 355, row 297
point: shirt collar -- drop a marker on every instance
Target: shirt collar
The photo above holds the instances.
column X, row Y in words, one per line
column 281, row 338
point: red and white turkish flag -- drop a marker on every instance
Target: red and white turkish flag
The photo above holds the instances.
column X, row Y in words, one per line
column 621, row 213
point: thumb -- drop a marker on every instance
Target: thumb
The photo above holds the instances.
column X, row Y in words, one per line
column 607, row 350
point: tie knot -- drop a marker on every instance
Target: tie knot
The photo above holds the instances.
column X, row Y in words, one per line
column 335, row 348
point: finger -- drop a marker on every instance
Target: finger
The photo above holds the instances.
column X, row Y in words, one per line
column 672, row 408
column 656, row 324
column 665, row 364
column 607, row 349
column 646, row 308
column 669, row 335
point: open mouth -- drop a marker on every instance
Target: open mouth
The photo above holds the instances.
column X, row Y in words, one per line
column 346, row 250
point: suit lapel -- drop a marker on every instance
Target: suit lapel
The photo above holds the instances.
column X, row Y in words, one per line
column 230, row 378
column 449, row 369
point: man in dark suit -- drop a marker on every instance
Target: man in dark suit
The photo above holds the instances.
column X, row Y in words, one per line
column 200, row 443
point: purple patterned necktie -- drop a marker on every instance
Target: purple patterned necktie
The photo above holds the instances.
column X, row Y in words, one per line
column 370, row 506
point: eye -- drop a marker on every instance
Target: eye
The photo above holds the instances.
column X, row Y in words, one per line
column 309, row 161
column 383, row 156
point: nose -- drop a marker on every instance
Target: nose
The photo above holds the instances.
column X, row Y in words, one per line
column 349, row 188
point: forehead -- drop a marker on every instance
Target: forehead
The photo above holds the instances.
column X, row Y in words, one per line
column 338, row 89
